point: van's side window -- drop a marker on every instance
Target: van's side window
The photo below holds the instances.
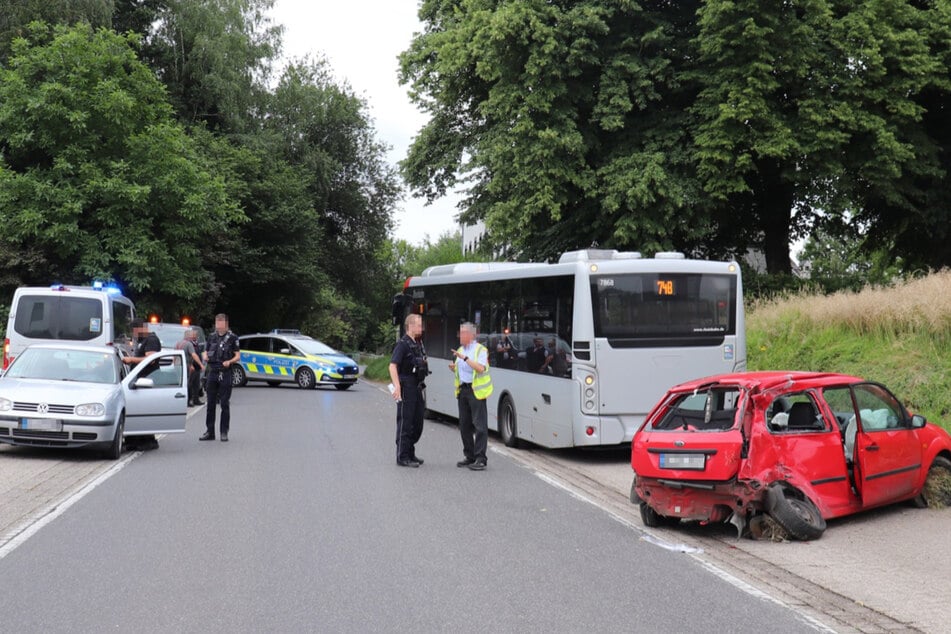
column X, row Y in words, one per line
column 121, row 321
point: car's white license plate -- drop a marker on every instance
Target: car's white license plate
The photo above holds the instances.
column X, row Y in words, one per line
column 41, row 424
column 349, row 376
column 696, row 461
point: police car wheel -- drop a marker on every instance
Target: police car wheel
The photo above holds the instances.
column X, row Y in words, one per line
column 306, row 379
column 238, row 377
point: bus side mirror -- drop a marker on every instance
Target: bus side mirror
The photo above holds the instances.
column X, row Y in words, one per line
column 401, row 303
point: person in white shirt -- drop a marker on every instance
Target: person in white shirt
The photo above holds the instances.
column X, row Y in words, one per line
column 471, row 365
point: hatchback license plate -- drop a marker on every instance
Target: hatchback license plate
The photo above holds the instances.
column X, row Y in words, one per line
column 696, row 461
column 41, row 424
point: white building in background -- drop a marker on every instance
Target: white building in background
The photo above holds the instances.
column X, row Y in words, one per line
column 472, row 237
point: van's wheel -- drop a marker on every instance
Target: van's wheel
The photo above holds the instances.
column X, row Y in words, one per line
column 305, row 379
column 114, row 451
column 238, row 376
column 795, row 513
column 508, row 422
column 936, row 492
column 653, row 519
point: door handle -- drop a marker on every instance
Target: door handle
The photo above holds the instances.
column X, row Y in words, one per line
column 872, row 448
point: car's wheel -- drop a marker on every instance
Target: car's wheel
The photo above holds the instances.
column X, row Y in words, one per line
column 114, row 450
column 937, row 490
column 305, row 379
column 238, row 376
column 653, row 519
column 795, row 513
column 342, row 386
column 508, row 422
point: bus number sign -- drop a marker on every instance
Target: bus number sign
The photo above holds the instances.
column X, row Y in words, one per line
column 665, row 287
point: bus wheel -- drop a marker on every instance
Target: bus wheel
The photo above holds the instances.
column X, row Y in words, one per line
column 508, row 422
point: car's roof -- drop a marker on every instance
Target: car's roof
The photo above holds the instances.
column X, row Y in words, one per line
column 282, row 335
column 767, row 380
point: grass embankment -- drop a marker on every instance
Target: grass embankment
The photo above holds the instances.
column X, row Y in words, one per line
column 899, row 336
column 378, row 369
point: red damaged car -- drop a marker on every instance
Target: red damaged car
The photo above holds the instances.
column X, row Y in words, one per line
column 798, row 447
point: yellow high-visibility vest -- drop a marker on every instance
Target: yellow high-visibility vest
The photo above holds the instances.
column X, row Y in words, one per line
column 481, row 381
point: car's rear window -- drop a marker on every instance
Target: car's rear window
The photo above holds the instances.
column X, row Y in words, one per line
column 58, row 317
column 713, row 409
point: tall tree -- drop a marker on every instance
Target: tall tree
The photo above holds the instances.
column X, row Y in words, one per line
column 808, row 105
column 214, row 56
column 325, row 132
column 96, row 179
column 568, row 119
column 15, row 15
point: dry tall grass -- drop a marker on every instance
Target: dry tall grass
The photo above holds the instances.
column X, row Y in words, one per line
column 915, row 306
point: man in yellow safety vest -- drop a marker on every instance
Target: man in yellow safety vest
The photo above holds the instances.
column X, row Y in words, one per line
column 473, row 387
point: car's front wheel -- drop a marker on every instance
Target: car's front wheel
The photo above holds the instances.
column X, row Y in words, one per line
column 114, row 450
column 936, row 492
column 795, row 513
column 238, row 376
column 305, row 379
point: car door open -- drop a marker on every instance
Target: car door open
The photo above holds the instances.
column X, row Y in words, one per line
column 156, row 396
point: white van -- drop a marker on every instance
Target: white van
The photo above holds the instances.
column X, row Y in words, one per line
column 97, row 315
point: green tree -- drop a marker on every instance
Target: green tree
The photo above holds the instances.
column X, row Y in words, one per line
column 807, row 106
column 96, row 179
column 15, row 15
column 568, row 119
column 324, row 131
column 214, row 56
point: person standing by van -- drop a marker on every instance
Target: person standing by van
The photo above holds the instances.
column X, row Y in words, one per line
column 146, row 343
column 473, row 387
column 189, row 344
column 222, row 351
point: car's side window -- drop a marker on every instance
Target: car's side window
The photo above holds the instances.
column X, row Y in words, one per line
column 795, row 412
column 163, row 372
column 878, row 409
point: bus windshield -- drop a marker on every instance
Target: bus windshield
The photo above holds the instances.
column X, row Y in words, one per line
column 643, row 309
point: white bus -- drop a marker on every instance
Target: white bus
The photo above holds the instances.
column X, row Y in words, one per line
column 579, row 351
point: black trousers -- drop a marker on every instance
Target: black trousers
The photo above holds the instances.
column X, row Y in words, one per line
column 218, row 391
column 409, row 419
column 473, row 424
column 194, row 383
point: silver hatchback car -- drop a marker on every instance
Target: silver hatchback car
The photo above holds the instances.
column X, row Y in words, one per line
column 74, row 395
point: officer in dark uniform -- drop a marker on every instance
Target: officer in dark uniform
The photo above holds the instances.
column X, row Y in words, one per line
column 408, row 371
column 146, row 343
column 221, row 353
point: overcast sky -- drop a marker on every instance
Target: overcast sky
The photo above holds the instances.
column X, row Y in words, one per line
column 361, row 40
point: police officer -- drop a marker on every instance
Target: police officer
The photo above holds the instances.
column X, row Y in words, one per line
column 408, row 371
column 221, row 353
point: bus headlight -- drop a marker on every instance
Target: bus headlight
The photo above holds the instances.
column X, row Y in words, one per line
column 589, row 380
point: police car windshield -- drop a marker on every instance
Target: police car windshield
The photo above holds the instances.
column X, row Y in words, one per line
column 312, row 346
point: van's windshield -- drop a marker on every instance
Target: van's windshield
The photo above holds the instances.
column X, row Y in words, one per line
column 60, row 317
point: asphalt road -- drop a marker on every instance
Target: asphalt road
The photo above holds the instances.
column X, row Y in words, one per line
column 303, row 522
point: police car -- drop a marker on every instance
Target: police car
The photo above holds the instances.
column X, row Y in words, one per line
column 286, row 356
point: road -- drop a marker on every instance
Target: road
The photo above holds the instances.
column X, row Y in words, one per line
column 304, row 523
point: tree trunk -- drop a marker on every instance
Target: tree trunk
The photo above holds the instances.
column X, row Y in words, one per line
column 774, row 200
